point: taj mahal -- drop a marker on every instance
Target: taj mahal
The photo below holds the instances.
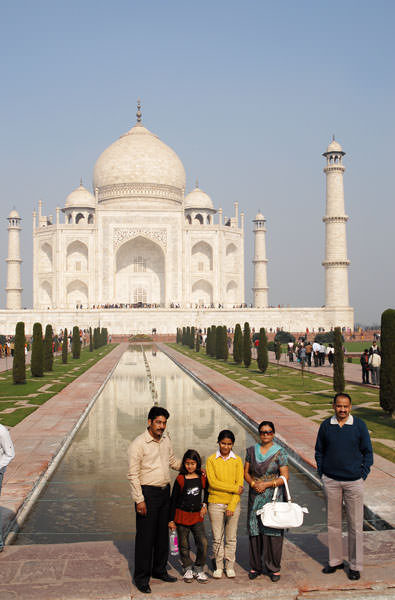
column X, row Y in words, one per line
column 140, row 253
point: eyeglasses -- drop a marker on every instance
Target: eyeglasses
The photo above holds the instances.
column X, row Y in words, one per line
column 266, row 432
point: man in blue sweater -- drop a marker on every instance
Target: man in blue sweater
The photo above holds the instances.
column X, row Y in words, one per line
column 344, row 455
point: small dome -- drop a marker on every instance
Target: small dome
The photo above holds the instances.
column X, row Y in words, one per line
column 80, row 198
column 259, row 217
column 334, row 146
column 139, row 157
column 198, row 199
column 14, row 214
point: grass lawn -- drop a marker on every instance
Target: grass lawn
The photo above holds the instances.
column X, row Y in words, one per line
column 18, row 401
column 310, row 396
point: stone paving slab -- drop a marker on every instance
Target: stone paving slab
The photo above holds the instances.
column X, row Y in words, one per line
column 41, row 435
column 297, row 432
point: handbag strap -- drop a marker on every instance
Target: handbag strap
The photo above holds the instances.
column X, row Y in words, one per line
column 286, row 489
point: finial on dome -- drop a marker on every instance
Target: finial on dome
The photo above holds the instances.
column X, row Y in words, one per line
column 138, row 113
column 81, row 182
column 197, row 183
column 333, row 137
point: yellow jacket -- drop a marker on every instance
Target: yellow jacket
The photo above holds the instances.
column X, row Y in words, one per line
column 224, row 479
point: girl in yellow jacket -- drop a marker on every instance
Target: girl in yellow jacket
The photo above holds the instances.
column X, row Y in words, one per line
column 225, row 485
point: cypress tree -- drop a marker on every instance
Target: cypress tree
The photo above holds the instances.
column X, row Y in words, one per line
column 184, row 336
column 338, row 362
column 219, row 345
column 178, row 335
column 90, row 340
column 387, row 367
column 36, row 362
column 263, row 358
column 188, row 336
column 197, row 344
column 96, row 341
column 213, row 340
column 192, row 339
column 208, row 340
column 75, row 342
column 225, row 350
column 64, row 347
column 48, row 354
column 277, row 350
column 19, row 363
column 247, row 345
column 237, row 345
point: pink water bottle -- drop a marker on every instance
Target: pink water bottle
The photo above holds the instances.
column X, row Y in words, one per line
column 173, row 543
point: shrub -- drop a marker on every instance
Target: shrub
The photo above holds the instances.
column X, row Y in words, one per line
column 277, row 350
column 326, row 338
column 263, row 358
column 213, row 340
column 197, row 345
column 349, row 359
column 192, row 339
column 247, row 345
column 284, row 337
column 90, row 340
column 219, row 344
column 36, row 362
column 19, row 364
column 96, row 340
column 225, row 351
column 238, row 345
column 387, row 368
column 338, row 362
column 271, row 346
column 208, row 341
column 48, row 354
column 64, row 347
column 75, row 342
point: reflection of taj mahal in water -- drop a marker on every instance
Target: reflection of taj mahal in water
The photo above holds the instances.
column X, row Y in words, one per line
column 139, row 241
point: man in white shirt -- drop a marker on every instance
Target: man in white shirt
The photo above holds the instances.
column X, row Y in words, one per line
column 7, row 453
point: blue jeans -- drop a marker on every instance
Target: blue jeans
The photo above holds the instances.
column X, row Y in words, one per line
column 2, row 471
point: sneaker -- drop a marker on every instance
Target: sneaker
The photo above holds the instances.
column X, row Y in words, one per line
column 230, row 573
column 201, row 577
column 217, row 574
column 188, row 576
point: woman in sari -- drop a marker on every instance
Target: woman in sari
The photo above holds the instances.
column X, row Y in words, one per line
column 265, row 462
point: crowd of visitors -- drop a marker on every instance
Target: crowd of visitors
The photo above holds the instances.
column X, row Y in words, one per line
column 370, row 360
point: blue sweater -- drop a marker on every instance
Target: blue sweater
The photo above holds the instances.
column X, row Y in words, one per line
column 343, row 453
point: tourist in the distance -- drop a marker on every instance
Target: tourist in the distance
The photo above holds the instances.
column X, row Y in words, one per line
column 187, row 511
column 344, row 455
column 364, row 360
column 265, row 462
column 225, row 485
column 7, row 453
column 150, row 456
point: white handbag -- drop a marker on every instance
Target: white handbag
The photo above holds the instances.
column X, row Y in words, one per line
column 281, row 515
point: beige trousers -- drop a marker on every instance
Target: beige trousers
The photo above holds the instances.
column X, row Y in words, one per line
column 224, row 534
column 351, row 492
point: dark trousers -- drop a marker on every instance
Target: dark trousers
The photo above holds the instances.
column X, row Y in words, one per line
column 308, row 356
column 272, row 547
column 316, row 359
column 199, row 535
column 365, row 374
column 152, row 535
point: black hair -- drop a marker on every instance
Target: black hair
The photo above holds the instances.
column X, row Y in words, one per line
column 342, row 395
column 158, row 411
column 266, row 423
column 226, row 433
column 192, row 455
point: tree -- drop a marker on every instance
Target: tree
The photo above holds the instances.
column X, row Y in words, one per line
column 387, row 367
column 48, row 353
column 284, row 337
column 184, row 336
column 19, row 364
column 219, row 343
column 90, row 340
column 263, row 358
column 338, row 362
column 64, row 347
column 96, row 340
column 178, row 336
column 277, row 350
column 105, row 336
column 247, row 345
column 197, row 344
column 188, row 336
column 75, row 342
column 225, row 350
column 36, row 361
column 213, row 340
column 208, row 340
column 238, row 345
column 192, row 339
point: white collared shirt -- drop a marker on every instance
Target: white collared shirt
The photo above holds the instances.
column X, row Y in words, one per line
column 7, row 452
column 349, row 421
column 230, row 455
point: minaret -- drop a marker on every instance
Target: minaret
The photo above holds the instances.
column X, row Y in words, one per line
column 260, row 288
column 336, row 262
column 13, row 289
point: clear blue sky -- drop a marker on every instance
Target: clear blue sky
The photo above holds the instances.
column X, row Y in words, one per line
column 247, row 93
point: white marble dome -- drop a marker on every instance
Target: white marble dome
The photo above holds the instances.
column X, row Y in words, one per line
column 139, row 157
column 14, row 214
column 198, row 199
column 80, row 198
column 259, row 217
column 334, row 146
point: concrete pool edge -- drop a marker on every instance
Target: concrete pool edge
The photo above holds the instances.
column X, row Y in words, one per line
column 19, row 493
column 378, row 498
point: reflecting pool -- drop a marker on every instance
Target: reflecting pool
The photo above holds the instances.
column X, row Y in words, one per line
column 88, row 497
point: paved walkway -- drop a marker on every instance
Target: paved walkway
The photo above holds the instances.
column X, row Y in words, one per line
column 101, row 570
